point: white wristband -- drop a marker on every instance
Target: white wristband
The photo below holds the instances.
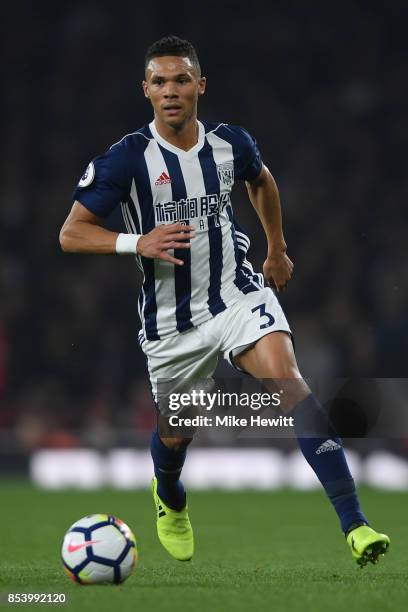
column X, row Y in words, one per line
column 127, row 243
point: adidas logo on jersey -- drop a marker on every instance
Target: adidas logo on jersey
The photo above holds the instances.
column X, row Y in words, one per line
column 329, row 445
column 163, row 179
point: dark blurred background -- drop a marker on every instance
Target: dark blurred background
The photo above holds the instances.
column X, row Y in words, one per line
column 322, row 87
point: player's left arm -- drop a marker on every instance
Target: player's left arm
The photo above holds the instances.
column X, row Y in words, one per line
column 264, row 195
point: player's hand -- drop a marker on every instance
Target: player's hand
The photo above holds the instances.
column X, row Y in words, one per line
column 278, row 269
column 157, row 243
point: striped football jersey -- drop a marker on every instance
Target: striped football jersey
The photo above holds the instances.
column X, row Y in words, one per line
column 156, row 183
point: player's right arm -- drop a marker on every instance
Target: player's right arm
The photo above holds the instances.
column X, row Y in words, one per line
column 105, row 183
column 82, row 233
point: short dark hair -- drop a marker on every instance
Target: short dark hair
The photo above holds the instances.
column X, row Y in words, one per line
column 173, row 45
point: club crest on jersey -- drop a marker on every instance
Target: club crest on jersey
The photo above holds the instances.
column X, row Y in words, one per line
column 226, row 173
column 88, row 176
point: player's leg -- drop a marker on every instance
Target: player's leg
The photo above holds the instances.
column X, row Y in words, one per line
column 254, row 348
column 169, row 455
column 181, row 357
column 272, row 357
column 173, row 523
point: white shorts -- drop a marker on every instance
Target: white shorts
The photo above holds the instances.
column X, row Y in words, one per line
column 194, row 354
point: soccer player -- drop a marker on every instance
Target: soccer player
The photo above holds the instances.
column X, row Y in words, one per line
column 200, row 296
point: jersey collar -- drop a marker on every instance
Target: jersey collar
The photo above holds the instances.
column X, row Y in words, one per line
column 180, row 152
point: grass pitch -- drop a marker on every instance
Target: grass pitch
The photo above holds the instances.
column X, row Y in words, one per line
column 279, row 552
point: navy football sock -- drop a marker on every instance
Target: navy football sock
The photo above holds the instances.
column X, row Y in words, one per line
column 168, row 464
column 324, row 452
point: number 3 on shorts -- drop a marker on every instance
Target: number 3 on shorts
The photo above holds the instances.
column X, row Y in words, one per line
column 263, row 313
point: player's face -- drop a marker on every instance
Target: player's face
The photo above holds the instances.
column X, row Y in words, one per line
column 173, row 85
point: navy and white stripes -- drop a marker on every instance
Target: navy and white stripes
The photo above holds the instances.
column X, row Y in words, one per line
column 182, row 274
column 215, row 270
column 156, row 182
column 215, row 242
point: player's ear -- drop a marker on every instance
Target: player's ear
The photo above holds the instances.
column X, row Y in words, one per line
column 145, row 89
column 202, row 82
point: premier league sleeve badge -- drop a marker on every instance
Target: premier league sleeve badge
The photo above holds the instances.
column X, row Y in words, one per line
column 88, row 176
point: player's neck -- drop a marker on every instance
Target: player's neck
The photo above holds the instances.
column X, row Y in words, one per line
column 184, row 137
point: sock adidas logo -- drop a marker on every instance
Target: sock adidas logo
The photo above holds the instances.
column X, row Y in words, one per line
column 329, row 445
column 163, row 179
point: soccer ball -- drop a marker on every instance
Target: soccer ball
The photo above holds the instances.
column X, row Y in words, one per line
column 99, row 548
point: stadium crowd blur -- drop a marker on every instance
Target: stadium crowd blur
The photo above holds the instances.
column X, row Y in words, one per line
column 322, row 90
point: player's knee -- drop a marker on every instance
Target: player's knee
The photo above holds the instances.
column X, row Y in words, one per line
column 286, row 371
column 176, row 443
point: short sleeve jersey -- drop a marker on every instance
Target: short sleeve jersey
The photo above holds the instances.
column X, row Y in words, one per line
column 156, row 183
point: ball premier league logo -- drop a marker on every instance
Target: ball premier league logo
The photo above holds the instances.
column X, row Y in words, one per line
column 226, row 173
